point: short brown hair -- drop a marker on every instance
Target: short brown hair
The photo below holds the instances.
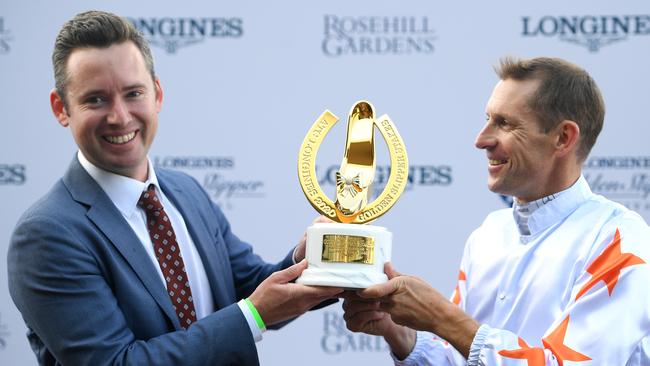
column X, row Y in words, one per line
column 94, row 29
column 565, row 92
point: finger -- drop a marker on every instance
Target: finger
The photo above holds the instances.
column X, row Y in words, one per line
column 328, row 292
column 390, row 271
column 317, row 293
column 353, row 307
column 324, row 303
column 304, row 297
column 317, row 302
column 300, row 249
column 367, row 304
column 380, row 290
column 364, row 321
column 290, row 273
column 352, row 295
column 386, row 306
column 364, row 316
column 343, row 294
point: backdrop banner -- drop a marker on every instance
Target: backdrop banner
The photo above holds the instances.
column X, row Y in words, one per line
column 244, row 82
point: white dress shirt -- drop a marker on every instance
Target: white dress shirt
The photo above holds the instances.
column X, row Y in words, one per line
column 125, row 192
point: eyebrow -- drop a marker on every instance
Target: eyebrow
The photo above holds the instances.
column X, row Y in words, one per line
column 504, row 116
column 134, row 86
column 103, row 91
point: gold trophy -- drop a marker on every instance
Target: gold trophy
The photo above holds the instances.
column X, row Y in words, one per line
column 347, row 253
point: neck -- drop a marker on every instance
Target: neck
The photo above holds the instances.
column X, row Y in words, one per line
column 562, row 177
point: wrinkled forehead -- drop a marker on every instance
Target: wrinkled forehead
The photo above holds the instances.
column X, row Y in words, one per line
column 512, row 96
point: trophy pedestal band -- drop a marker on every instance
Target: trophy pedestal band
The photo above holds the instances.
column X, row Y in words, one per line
column 340, row 278
column 346, row 255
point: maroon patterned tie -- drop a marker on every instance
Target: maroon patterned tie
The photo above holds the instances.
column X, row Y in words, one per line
column 168, row 254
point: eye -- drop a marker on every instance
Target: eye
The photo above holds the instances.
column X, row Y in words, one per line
column 499, row 121
column 95, row 100
column 134, row 94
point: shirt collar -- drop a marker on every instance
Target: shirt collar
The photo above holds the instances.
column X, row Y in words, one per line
column 523, row 211
column 123, row 191
column 536, row 216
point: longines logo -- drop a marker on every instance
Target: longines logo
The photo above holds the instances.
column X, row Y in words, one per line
column 625, row 179
column 12, row 174
column 173, row 33
column 217, row 175
column 4, row 334
column 590, row 31
column 419, row 175
column 337, row 338
column 5, row 38
column 375, row 35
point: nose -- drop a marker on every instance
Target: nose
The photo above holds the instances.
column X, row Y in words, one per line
column 486, row 138
column 119, row 113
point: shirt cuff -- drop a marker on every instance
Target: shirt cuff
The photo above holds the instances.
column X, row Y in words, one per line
column 250, row 319
column 477, row 345
column 414, row 358
column 293, row 255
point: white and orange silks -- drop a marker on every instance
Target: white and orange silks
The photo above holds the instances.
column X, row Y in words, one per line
column 576, row 291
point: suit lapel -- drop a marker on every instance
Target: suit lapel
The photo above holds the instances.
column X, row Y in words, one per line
column 202, row 237
column 103, row 213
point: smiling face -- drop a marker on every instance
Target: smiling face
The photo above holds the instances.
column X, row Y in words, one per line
column 521, row 158
column 112, row 107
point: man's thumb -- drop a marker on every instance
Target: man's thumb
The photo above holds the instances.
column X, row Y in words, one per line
column 390, row 271
column 291, row 273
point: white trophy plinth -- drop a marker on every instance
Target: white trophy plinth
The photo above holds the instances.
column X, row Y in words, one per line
column 351, row 265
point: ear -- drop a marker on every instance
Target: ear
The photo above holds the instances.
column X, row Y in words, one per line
column 159, row 94
column 567, row 137
column 58, row 108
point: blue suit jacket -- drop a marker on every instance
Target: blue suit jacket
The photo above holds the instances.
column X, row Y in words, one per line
column 90, row 295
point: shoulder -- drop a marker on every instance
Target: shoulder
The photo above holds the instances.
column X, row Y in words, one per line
column 495, row 225
column 617, row 225
column 177, row 177
column 52, row 228
column 497, row 219
column 192, row 191
column 615, row 215
column 56, row 205
column 631, row 230
column 184, row 183
column 501, row 215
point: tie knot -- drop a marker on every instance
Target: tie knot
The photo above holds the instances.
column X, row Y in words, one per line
column 149, row 200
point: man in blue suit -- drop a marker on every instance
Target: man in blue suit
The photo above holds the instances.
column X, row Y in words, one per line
column 93, row 278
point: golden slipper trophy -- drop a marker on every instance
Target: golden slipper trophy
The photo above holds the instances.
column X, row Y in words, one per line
column 347, row 253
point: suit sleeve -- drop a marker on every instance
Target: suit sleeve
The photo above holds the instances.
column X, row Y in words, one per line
column 248, row 269
column 67, row 300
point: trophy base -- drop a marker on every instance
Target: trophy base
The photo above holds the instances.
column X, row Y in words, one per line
column 346, row 255
column 340, row 278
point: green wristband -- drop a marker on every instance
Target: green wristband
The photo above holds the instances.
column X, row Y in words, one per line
column 256, row 315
